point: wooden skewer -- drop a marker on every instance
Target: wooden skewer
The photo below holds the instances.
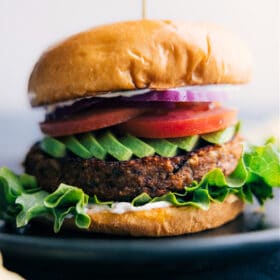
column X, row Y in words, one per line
column 143, row 9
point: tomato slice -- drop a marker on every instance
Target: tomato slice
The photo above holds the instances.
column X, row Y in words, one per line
column 197, row 106
column 91, row 120
column 180, row 122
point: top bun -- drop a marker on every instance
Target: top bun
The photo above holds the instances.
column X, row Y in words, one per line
column 139, row 54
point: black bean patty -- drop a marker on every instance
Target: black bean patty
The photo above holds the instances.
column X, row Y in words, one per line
column 123, row 180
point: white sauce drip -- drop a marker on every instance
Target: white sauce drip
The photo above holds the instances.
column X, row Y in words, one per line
column 124, row 93
column 123, row 207
column 194, row 89
column 130, row 93
column 51, row 108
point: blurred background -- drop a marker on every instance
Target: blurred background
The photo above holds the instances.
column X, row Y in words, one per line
column 28, row 27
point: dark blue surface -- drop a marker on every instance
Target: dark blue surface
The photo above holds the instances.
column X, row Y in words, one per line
column 254, row 267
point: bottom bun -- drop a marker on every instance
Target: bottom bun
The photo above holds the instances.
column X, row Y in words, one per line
column 168, row 221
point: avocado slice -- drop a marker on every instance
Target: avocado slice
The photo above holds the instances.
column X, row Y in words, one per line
column 76, row 147
column 185, row 143
column 163, row 147
column 221, row 136
column 90, row 142
column 114, row 147
column 53, row 147
column 137, row 146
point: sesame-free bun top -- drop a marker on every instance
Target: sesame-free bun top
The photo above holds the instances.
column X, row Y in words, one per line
column 139, row 54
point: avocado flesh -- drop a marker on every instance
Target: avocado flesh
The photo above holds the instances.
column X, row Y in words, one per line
column 185, row 143
column 89, row 145
column 221, row 136
column 90, row 142
column 163, row 147
column 137, row 146
column 114, row 147
column 76, row 147
column 53, row 147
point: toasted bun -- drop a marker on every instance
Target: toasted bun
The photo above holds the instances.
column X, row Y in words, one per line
column 168, row 221
column 138, row 54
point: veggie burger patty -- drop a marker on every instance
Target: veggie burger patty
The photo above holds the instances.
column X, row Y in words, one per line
column 124, row 180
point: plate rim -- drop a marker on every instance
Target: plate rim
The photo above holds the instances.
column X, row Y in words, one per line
column 138, row 249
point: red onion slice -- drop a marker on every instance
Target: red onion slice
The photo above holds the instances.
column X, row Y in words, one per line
column 180, row 95
column 199, row 93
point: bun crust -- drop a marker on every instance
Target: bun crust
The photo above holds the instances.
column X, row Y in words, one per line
column 169, row 221
column 138, row 54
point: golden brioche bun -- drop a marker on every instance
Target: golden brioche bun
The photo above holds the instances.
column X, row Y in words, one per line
column 168, row 221
column 131, row 55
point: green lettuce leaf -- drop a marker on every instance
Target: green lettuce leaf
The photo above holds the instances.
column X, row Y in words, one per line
column 10, row 189
column 32, row 205
column 257, row 172
column 95, row 200
column 28, row 182
column 21, row 200
column 13, row 186
column 264, row 162
column 68, row 200
column 198, row 198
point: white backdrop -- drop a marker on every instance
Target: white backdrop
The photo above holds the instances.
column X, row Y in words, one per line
column 27, row 27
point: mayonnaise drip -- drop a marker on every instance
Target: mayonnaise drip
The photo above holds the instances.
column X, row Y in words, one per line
column 123, row 207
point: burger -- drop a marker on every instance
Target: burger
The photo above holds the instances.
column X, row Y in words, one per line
column 137, row 140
